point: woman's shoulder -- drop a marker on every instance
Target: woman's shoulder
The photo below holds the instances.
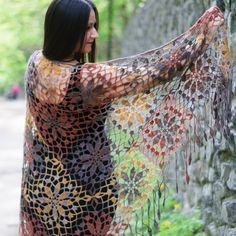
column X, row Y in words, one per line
column 39, row 60
column 34, row 57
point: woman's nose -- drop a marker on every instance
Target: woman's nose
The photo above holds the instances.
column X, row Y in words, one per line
column 95, row 33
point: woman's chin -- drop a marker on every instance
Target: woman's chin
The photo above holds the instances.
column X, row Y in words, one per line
column 87, row 49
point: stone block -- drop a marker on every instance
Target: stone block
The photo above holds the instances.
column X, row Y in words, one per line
column 226, row 168
column 217, row 208
column 221, row 230
column 212, row 175
column 209, row 152
column 230, row 232
column 211, row 230
column 207, row 194
column 193, row 194
column 229, row 211
column 219, row 190
column 231, row 183
column 199, row 171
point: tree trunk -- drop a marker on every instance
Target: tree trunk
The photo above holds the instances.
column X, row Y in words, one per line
column 110, row 29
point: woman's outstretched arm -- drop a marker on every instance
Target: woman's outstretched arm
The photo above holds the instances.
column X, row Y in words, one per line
column 141, row 72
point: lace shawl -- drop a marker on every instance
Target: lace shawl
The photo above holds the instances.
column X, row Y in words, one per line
column 98, row 135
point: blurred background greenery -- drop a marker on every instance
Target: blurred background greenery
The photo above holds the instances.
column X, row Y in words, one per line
column 21, row 30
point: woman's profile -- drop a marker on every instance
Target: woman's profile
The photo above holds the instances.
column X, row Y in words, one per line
column 97, row 134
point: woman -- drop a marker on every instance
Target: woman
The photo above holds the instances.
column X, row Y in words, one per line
column 90, row 127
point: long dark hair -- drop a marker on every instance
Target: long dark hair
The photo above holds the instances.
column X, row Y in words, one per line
column 65, row 25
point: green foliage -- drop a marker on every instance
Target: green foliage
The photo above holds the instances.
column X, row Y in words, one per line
column 21, row 33
column 174, row 221
column 122, row 11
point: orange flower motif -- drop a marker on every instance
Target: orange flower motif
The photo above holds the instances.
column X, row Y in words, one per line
column 133, row 110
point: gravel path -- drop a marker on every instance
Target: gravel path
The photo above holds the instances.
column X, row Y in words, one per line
column 11, row 157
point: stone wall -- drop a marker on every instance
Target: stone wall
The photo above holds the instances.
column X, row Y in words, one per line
column 213, row 176
column 158, row 21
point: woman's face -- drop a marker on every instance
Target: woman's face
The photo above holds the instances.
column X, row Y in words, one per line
column 91, row 33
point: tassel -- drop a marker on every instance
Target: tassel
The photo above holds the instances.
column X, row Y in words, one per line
column 149, row 228
column 176, row 175
column 149, row 231
column 142, row 221
column 164, row 202
column 149, row 206
column 156, row 226
column 158, row 209
column 190, row 159
column 187, row 178
column 159, row 192
column 131, row 232
column 154, row 203
column 136, row 224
